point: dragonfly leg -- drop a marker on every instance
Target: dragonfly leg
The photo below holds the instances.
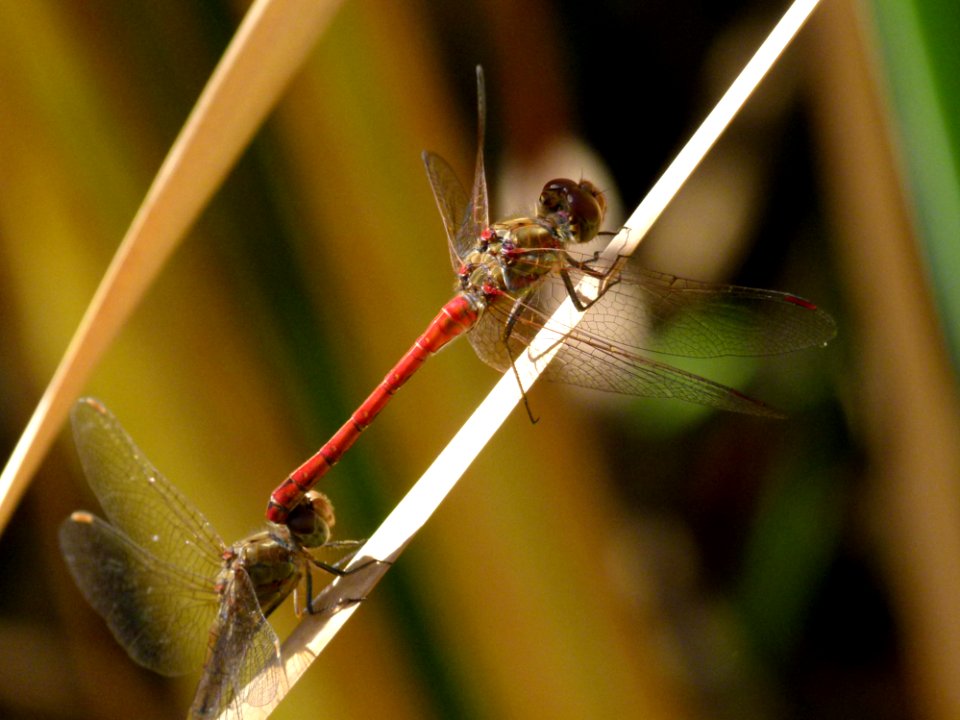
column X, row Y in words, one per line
column 579, row 302
column 339, row 572
column 608, row 278
column 334, row 568
column 611, row 276
column 507, row 330
column 586, row 265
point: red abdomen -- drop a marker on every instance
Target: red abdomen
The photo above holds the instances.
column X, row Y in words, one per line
column 457, row 317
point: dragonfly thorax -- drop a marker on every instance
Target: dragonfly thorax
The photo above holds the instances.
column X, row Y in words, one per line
column 511, row 256
column 274, row 563
column 274, row 559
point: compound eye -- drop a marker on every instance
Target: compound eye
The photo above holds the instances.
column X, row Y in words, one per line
column 555, row 196
column 582, row 204
column 311, row 520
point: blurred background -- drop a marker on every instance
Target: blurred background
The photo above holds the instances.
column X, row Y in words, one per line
column 621, row 558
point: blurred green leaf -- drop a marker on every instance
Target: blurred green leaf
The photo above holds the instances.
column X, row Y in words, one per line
column 921, row 61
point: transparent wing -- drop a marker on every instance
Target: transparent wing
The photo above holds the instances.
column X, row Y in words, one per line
column 586, row 365
column 585, row 362
column 653, row 312
column 137, row 499
column 675, row 316
column 159, row 613
column 463, row 219
column 479, row 211
column 244, row 661
column 451, row 201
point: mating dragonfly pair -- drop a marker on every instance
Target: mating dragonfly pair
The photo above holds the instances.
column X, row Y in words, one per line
column 173, row 592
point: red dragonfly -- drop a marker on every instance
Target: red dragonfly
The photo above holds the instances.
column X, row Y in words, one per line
column 514, row 273
column 171, row 591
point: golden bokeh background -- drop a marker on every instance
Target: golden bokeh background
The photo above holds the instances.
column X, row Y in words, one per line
column 622, row 557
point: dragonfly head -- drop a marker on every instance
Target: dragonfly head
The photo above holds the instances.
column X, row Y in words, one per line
column 580, row 205
column 310, row 522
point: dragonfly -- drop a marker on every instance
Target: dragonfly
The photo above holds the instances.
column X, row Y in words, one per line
column 173, row 594
column 513, row 274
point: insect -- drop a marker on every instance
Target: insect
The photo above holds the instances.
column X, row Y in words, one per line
column 512, row 274
column 173, row 593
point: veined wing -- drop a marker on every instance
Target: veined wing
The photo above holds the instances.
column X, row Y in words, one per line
column 451, row 201
column 660, row 313
column 479, row 211
column 689, row 318
column 158, row 612
column 610, row 368
column 463, row 218
column 137, row 499
column 587, row 362
column 654, row 312
column 243, row 648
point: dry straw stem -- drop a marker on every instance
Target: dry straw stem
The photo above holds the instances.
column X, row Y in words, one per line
column 243, row 88
column 342, row 597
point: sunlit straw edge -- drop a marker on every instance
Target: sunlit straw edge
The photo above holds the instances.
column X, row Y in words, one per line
column 247, row 82
column 312, row 635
